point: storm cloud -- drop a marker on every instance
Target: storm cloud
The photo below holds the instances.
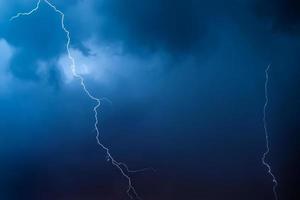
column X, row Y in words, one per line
column 185, row 80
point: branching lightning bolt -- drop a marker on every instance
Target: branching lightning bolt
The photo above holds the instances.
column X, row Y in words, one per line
column 122, row 167
column 275, row 183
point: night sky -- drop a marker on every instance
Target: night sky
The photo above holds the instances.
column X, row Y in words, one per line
column 185, row 82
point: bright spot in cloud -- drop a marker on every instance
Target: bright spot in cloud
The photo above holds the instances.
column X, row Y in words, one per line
column 6, row 52
column 110, row 63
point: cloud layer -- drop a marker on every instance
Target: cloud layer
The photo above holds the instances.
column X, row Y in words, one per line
column 186, row 81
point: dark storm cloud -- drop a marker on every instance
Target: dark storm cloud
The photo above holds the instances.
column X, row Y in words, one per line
column 178, row 27
column 174, row 25
column 184, row 27
column 284, row 14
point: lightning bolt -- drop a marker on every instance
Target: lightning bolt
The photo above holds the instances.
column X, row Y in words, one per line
column 265, row 154
column 122, row 167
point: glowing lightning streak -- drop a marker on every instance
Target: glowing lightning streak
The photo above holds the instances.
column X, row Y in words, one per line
column 275, row 183
column 117, row 164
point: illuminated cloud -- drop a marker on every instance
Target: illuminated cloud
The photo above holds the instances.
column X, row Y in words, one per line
column 108, row 64
column 6, row 52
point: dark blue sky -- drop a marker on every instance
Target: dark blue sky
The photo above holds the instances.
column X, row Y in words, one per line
column 186, row 82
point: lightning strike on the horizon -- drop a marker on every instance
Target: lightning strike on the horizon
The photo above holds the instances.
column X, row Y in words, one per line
column 122, row 167
column 275, row 183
